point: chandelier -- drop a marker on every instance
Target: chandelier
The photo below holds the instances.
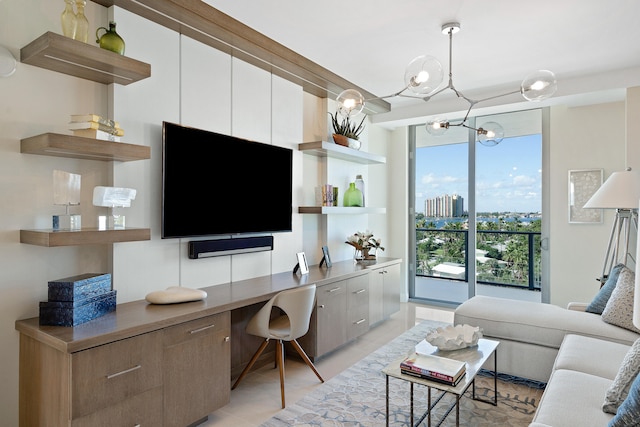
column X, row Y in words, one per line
column 423, row 78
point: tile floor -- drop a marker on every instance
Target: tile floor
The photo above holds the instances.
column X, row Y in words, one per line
column 257, row 398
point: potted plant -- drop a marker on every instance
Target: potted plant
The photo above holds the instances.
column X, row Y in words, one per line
column 345, row 132
column 366, row 246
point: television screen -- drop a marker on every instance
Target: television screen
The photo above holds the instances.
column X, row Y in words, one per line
column 214, row 184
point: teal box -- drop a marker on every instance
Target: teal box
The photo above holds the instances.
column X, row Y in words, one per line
column 80, row 287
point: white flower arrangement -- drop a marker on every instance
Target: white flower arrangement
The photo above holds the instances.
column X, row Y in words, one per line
column 362, row 241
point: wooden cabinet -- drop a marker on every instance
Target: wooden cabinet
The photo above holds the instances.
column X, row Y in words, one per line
column 197, row 369
column 330, row 319
column 170, row 365
column 357, row 306
column 82, row 388
column 385, row 292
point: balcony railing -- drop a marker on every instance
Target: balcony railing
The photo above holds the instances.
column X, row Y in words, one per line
column 503, row 258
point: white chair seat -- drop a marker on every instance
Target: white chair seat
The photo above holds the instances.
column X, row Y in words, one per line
column 297, row 305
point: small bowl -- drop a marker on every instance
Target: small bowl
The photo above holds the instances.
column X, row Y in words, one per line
column 454, row 337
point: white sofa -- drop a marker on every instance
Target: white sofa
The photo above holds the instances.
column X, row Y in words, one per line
column 530, row 333
column 576, row 353
column 583, row 372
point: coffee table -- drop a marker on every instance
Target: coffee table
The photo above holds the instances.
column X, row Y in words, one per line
column 474, row 357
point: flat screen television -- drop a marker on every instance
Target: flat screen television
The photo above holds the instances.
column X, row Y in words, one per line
column 215, row 184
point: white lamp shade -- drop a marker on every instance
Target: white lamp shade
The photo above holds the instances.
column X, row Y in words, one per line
column 620, row 191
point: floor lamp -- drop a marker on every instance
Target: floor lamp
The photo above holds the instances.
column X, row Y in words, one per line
column 622, row 193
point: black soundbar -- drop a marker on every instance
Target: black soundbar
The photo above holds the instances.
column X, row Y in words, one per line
column 210, row 248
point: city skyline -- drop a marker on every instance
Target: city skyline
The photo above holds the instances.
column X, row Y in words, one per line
column 508, row 176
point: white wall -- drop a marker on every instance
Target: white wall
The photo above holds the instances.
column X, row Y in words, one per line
column 580, row 141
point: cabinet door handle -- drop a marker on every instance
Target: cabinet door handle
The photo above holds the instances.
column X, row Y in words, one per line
column 334, row 289
column 204, row 328
column 321, row 306
column 227, row 339
column 381, row 272
column 126, row 371
column 359, row 321
column 359, row 291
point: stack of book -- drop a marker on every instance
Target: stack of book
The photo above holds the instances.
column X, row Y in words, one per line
column 434, row 368
column 95, row 126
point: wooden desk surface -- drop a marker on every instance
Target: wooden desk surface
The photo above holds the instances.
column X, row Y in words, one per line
column 139, row 317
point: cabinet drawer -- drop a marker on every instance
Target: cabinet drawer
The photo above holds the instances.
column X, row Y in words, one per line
column 105, row 375
column 196, row 328
column 144, row 410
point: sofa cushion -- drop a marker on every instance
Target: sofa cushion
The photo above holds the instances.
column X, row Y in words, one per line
column 573, row 399
column 574, row 348
column 535, row 323
column 619, row 309
column 629, row 412
column 627, row 372
column 602, row 297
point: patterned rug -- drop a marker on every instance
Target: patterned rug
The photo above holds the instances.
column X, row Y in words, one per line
column 356, row 397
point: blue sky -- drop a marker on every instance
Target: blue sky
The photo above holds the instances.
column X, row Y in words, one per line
column 509, row 177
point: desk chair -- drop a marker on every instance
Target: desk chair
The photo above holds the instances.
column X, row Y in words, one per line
column 297, row 305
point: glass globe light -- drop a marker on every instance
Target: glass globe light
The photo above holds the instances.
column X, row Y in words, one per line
column 539, row 85
column 437, row 126
column 350, row 102
column 490, row 134
column 423, row 75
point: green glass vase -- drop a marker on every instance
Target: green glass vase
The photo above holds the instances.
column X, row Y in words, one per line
column 110, row 40
column 353, row 196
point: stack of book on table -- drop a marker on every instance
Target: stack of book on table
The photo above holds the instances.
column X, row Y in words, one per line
column 95, row 126
column 434, row 368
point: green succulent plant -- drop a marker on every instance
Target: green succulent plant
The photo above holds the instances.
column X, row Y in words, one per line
column 346, row 127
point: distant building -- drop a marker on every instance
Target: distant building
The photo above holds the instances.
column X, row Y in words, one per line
column 446, row 206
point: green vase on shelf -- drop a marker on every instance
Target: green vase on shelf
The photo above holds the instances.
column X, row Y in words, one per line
column 353, row 196
column 110, row 40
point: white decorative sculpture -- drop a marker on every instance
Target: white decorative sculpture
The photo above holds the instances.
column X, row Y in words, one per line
column 454, row 337
column 175, row 294
column 112, row 197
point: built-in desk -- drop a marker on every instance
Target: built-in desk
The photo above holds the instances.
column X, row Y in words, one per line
column 166, row 364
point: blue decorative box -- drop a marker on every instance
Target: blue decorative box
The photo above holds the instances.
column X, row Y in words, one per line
column 72, row 313
column 79, row 287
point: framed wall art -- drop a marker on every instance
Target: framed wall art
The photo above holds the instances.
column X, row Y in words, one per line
column 583, row 183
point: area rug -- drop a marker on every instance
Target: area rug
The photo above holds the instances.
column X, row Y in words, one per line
column 356, row 397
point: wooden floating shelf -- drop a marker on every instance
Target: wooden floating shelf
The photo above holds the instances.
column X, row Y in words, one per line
column 339, row 210
column 64, row 55
column 85, row 236
column 329, row 149
column 54, row 144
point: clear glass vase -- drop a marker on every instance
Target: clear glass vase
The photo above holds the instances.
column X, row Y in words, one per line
column 82, row 23
column 68, row 20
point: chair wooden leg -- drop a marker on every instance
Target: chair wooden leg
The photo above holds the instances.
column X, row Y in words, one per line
column 306, row 359
column 280, row 361
column 246, row 370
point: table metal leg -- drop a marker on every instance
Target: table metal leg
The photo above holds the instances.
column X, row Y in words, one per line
column 387, row 400
column 411, row 404
column 494, row 402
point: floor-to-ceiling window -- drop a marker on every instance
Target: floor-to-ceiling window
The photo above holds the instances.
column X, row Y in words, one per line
column 475, row 199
